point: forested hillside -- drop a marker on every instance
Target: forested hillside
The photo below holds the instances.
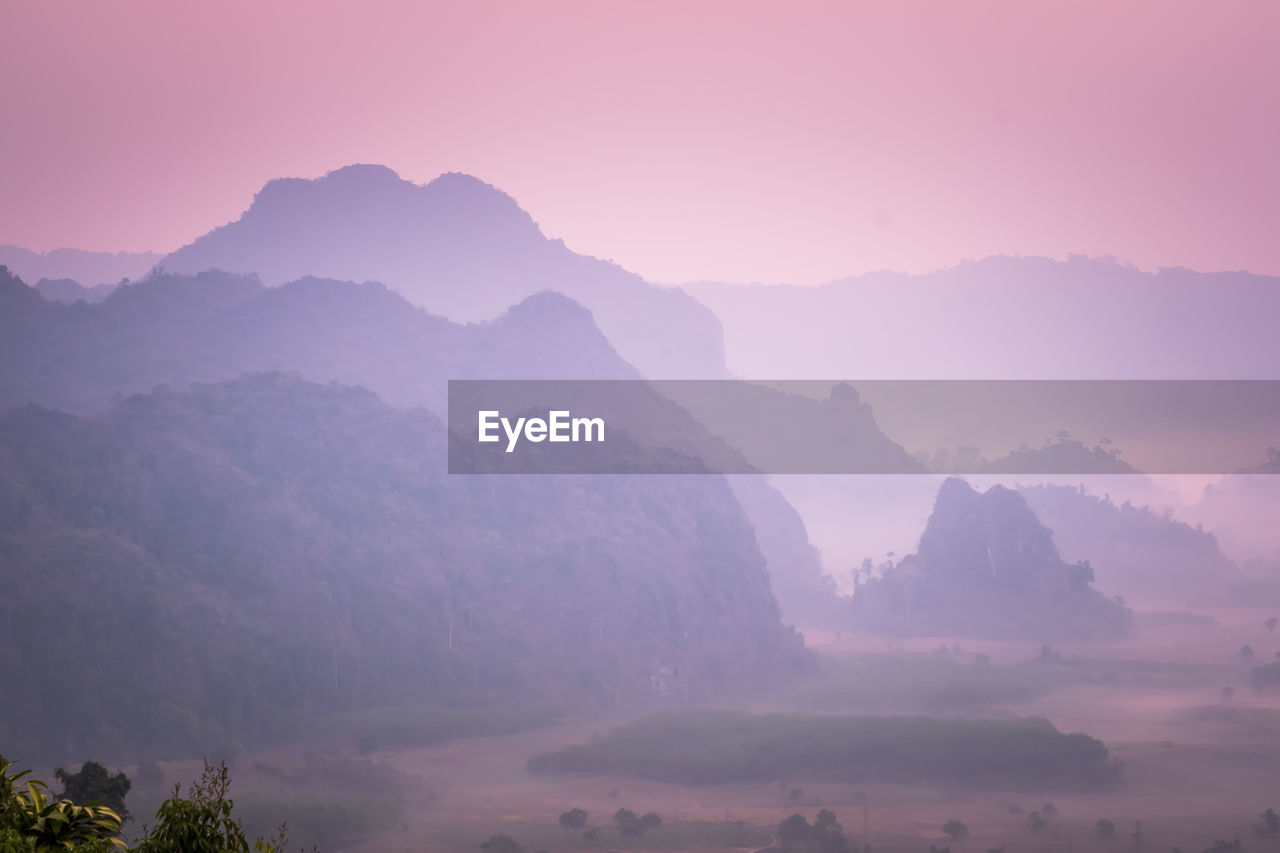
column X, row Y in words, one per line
column 238, row 557
column 175, row 330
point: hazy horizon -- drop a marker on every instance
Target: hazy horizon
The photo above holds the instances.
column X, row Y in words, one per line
column 739, row 144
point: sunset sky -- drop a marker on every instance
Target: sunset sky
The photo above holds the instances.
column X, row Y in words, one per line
column 728, row 140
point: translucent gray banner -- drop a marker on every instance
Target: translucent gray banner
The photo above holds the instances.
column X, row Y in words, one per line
column 863, row 427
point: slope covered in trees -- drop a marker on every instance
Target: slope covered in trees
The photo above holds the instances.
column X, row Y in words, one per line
column 241, row 556
column 175, row 330
column 1143, row 555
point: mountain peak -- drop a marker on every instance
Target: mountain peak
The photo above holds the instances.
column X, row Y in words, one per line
column 364, row 172
column 460, row 248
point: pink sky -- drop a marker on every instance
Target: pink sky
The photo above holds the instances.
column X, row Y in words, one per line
column 727, row 140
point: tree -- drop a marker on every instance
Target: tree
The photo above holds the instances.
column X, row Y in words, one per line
column 1036, row 822
column 202, row 822
column 794, row 830
column 1080, row 575
column 31, row 820
column 827, row 835
column 650, row 820
column 1270, row 824
column 1246, row 652
column 1049, row 810
column 628, row 822
column 1271, row 623
column 956, row 829
column 502, row 843
column 93, row 784
column 573, row 819
column 1104, row 828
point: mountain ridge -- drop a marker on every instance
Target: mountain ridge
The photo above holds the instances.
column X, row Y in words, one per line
column 457, row 246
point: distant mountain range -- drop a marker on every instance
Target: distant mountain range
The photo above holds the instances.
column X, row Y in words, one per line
column 1145, row 555
column 1005, row 318
column 87, row 269
column 458, row 247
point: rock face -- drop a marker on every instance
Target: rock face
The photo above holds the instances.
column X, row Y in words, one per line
column 987, row 567
column 457, row 247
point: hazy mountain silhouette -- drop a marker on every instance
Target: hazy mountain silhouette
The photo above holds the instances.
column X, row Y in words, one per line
column 175, row 330
column 1064, row 456
column 987, row 567
column 86, row 268
column 241, row 557
column 1005, row 318
column 70, row 290
column 1146, row 556
column 458, row 247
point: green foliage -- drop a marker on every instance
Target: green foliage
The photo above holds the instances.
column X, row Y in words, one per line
column 93, row 784
column 202, row 821
column 31, row 820
column 702, row 747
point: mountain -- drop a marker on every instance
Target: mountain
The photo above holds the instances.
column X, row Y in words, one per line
column 70, row 290
column 176, row 330
column 1064, row 456
column 1005, row 318
column 987, row 567
column 242, row 557
column 460, row 248
column 86, row 268
column 1148, row 557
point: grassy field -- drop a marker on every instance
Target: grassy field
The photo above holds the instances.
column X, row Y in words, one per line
column 701, row 747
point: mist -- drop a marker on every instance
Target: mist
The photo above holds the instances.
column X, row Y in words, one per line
column 404, row 499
